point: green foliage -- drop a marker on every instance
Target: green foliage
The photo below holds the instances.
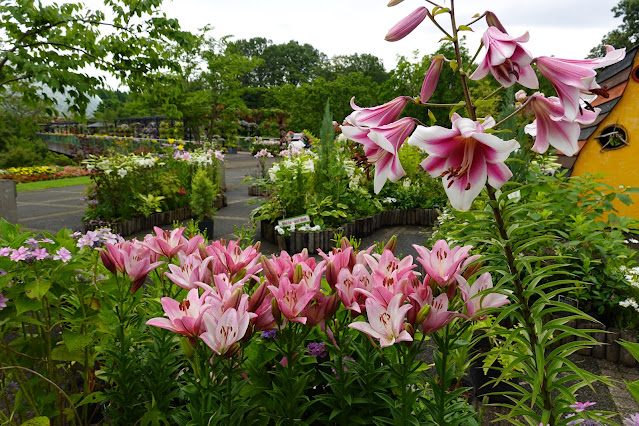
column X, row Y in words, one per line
column 203, row 193
column 417, row 189
column 626, row 34
column 51, row 45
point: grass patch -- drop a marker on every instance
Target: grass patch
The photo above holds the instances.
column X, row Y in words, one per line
column 55, row 183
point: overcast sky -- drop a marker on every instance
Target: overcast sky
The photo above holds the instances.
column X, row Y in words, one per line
column 564, row 28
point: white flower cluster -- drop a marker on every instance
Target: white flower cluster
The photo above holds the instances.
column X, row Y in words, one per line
column 630, row 302
column 305, row 160
column 631, row 275
column 308, row 228
column 198, row 157
column 280, row 230
column 628, row 241
column 121, row 164
column 389, row 200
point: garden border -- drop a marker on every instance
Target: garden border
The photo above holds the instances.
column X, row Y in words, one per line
column 139, row 224
column 358, row 228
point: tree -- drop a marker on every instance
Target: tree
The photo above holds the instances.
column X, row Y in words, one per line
column 279, row 64
column 54, row 45
column 627, row 35
column 369, row 65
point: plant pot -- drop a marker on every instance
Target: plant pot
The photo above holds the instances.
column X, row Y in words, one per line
column 206, row 226
column 231, row 149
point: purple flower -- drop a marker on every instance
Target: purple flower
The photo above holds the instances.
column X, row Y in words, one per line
column 40, row 254
column 62, row 254
column 3, row 301
column 269, row 334
column 33, row 243
column 19, row 254
column 5, row 251
column 3, row 272
column 317, row 350
column 633, row 420
column 47, row 240
column 581, row 406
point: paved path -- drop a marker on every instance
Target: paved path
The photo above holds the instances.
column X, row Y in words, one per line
column 53, row 209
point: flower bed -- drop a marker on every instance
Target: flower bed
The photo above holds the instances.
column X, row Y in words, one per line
column 130, row 186
column 40, row 173
column 296, row 241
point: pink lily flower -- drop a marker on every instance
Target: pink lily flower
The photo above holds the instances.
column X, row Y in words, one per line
column 376, row 116
column 232, row 259
column 508, row 62
column 407, row 25
column 165, row 243
column 387, row 264
column 348, row 283
column 385, row 324
column 439, row 315
column 112, row 257
column 190, row 246
column 552, row 128
column 292, row 298
column 225, row 331
column 432, row 77
column 137, row 263
column 442, row 263
column 477, row 298
column 465, row 156
column 381, row 146
column 572, row 77
column 183, row 317
column 191, row 270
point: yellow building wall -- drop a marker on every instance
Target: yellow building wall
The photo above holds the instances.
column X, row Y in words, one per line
column 618, row 166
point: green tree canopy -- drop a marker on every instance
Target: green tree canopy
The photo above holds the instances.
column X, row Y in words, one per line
column 55, row 45
column 627, row 35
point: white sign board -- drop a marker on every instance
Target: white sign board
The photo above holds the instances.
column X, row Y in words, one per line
column 284, row 223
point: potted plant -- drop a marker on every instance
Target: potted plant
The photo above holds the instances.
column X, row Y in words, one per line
column 203, row 193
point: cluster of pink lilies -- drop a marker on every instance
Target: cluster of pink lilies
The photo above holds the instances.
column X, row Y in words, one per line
column 467, row 155
column 233, row 293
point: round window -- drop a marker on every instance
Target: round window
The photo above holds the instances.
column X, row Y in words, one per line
column 613, row 137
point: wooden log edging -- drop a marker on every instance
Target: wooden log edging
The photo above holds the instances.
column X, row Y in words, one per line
column 358, row 228
column 607, row 337
column 139, row 224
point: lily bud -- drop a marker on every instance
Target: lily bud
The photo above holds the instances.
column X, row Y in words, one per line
column 234, row 300
column 472, row 269
column 423, row 314
column 277, row 313
column 269, row 271
column 407, row 25
column 332, row 304
column 392, row 3
column 345, row 243
column 108, row 263
column 451, row 290
column 257, row 246
column 240, row 274
column 187, row 343
column 249, row 333
column 391, row 244
column 137, row 284
column 331, row 275
column 493, row 21
column 298, row 274
column 411, row 315
column 201, row 248
column 257, row 298
column 431, row 79
column 231, row 351
column 411, row 330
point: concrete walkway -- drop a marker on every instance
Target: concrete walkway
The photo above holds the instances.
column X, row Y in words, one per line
column 53, row 209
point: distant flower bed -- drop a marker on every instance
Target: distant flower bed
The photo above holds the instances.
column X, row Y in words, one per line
column 38, row 173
